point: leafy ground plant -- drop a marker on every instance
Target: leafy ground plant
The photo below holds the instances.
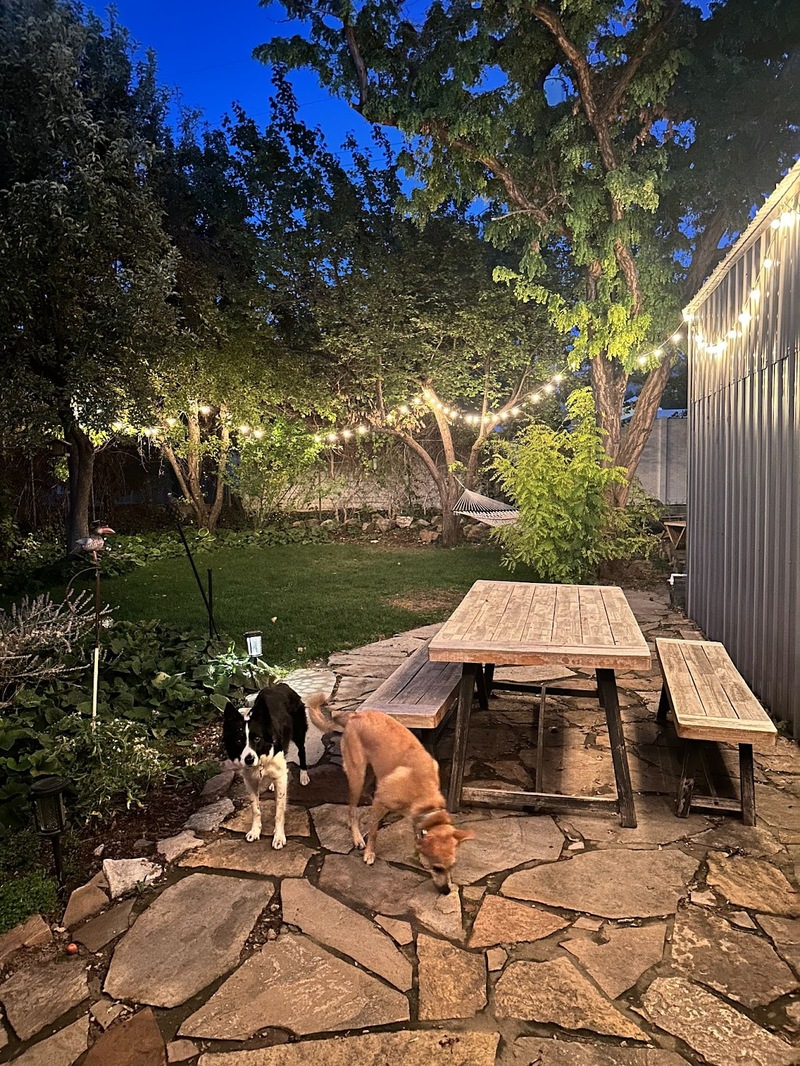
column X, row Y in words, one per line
column 557, row 478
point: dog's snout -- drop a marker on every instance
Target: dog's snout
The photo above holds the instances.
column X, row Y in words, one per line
column 444, row 889
column 249, row 759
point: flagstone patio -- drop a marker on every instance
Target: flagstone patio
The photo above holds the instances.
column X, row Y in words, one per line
column 569, row 941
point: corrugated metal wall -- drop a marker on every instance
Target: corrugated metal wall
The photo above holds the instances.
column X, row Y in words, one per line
column 744, row 455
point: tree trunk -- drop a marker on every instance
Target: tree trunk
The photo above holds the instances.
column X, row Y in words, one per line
column 609, row 382
column 80, row 464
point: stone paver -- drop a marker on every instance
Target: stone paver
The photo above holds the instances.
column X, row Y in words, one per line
column 172, row 848
column 181, row 1050
column 211, row 816
column 741, row 966
column 617, row 963
column 380, row 888
column 105, row 1011
column 754, row 884
column 712, row 1028
column 533, row 1051
column 452, row 982
column 217, row 786
column 441, row 914
column 332, row 826
column 256, row 857
column 556, row 992
column 413, row 1048
column 84, row 902
column 503, row 843
column 785, row 934
column 27, row 934
column 220, row 912
column 399, row 931
column 656, row 820
column 503, row 921
column 61, row 1049
column 40, row 993
column 106, row 927
column 296, row 985
column 135, row 1042
column 296, row 821
column 496, row 959
column 613, row 884
column 337, row 926
column 124, row 875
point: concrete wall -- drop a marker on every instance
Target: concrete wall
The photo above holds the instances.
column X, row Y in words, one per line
column 662, row 468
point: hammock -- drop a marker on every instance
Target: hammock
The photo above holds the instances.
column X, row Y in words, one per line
column 483, row 509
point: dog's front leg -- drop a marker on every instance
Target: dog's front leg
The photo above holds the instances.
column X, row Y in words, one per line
column 279, row 836
column 252, row 780
column 376, row 816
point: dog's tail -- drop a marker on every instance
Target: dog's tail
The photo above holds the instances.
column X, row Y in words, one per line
column 325, row 717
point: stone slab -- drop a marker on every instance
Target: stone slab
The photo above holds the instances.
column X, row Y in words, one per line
column 612, row 884
column 441, row 914
column 296, row 985
column 399, row 931
column 754, row 884
column 452, row 982
column 496, row 959
column 617, row 963
column 656, row 820
column 135, row 1042
column 555, row 992
column 105, row 1011
column 181, row 1050
column 406, row 1048
column 200, row 926
column 712, row 1028
column 39, row 993
column 332, row 826
column 380, row 887
column 62, row 1049
column 741, row 966
column 785, row 934
column 211, row 816
column 217, row 786
column 339, row 927
column 534, row 1051
column 503, row 843
column 106, row 927
column 30, row 933
column 124, row 875
column 84, row 902
column 296, row 821
column 171, row 848
column 503, row 921
column 256, row 857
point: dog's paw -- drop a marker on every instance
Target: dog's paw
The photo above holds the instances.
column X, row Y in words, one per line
column 304, row 778
column 279, row 840
column 254, row 834
column 369, row 857
column 359, row 841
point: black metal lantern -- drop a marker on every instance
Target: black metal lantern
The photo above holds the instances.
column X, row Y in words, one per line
column 47, row 796
column 254, row 647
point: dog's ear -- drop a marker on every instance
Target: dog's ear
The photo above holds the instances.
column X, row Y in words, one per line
column 463, row 834
column 231, row 712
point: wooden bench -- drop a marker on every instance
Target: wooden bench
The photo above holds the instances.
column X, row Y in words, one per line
column 710, row 701
column 419, row 693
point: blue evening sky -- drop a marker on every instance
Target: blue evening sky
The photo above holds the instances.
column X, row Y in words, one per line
column 204, row 48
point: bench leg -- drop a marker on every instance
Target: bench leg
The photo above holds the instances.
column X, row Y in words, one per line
column 607, row 689
column 663, row 705
column 748, row 784
column 686, row 786
column 465, row 693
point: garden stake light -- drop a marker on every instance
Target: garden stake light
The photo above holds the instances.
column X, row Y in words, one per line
column 47, row 797
column 92, row 544
column 254, row 648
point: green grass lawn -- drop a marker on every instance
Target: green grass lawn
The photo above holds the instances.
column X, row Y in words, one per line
column 322, row 597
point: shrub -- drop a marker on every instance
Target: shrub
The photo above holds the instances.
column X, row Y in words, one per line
column 19, row 899
column 567, row 526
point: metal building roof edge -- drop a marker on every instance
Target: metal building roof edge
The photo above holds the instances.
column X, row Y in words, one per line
column 758, row 223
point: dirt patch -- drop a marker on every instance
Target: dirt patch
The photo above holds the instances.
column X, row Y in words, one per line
column 428, row 600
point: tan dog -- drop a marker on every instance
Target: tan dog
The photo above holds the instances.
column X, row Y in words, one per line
column 406, row 781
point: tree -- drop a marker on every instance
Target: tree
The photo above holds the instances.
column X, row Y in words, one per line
column 87, row 269
column 580, row 125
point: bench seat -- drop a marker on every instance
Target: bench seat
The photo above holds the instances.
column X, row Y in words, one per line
column 710, row 701
column 419, row 693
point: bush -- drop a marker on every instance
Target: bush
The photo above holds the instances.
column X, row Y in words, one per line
column 567, row 526
column 19, row 899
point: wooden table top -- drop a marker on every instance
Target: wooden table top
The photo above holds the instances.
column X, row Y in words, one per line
column 517, row 623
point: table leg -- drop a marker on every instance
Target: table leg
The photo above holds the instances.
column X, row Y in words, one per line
column 488, row 671
column 607, row 687
column 483, row 689
column 747, row 784
column 465, row 693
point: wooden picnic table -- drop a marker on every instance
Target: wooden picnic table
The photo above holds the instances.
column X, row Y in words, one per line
column 675, row 529
column 516, row 623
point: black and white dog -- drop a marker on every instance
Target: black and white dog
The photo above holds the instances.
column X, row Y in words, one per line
column 257, row 738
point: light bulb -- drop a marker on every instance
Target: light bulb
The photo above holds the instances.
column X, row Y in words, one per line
column 745, row 318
